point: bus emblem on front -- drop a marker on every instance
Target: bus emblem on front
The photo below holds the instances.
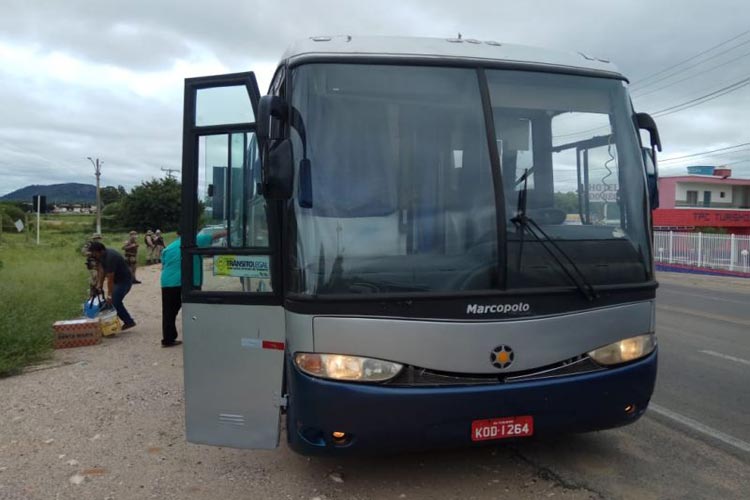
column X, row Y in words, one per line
column 502, row 356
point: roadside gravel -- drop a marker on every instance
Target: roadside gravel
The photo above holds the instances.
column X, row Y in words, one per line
column 106, row 422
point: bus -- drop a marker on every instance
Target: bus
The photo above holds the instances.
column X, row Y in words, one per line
column 395, row 270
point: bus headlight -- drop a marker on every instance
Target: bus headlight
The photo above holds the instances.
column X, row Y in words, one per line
column 624, row 350
column 349, row 368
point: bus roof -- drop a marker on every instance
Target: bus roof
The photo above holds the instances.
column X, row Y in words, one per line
column 464, row 49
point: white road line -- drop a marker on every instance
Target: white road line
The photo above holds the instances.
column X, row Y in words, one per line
column 699, row 427
column 725, row 356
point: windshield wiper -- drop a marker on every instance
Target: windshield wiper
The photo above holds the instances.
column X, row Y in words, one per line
column 525, row 223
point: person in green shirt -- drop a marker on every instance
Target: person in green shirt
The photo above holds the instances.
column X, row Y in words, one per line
column 171, row 283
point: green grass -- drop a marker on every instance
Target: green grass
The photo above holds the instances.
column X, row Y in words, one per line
column 42, row 284
column 39, row 284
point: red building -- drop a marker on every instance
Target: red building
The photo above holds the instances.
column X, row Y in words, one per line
column 705, row 198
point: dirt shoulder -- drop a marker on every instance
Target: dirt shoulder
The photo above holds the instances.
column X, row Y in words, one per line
column 107, row 422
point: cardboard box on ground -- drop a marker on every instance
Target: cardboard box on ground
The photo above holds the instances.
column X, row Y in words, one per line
column 77, row 332
column 85, row 331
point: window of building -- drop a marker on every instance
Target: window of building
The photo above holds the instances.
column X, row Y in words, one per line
column 721, row 194
column 692, row 197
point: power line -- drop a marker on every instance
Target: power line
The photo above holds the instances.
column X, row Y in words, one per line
column 734, row 162
column 703, row 153
column 648, row 77
column 636, row 95
column 692, row 66
column 702, row 99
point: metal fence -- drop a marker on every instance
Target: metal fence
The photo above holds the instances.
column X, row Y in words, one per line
column 712, row 251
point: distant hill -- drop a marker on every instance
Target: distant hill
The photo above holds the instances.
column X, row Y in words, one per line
column 71, row 192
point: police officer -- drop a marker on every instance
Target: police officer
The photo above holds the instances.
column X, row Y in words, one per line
column 131, row 254
column 159, row 244
column 150, row 247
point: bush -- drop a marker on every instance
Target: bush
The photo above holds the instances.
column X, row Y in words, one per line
column 10, row 214
column 111, row 210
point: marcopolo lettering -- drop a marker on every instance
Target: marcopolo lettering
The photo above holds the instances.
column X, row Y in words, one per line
column 497, row 308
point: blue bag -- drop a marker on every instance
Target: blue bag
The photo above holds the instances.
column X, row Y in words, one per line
column 94, row 305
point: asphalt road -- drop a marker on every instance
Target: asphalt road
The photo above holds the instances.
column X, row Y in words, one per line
column 106, row 422
column 694, row 441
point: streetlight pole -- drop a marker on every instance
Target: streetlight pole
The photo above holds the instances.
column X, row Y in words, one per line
column 98, row 171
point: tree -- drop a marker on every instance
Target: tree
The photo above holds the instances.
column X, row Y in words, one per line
column 154, row 204
column 567, row 202
column 110, row 194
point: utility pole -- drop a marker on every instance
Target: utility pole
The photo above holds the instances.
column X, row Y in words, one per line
column 98, row 171
column 169, row 172
column 38, row 215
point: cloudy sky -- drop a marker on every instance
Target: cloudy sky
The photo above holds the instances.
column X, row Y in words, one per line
column 101, row 78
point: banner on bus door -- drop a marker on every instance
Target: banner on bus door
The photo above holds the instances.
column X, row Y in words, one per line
column 242, row 266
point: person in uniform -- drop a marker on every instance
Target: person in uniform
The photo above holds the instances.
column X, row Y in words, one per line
column 131, row 254
column 92, row 264
column 150, row 248
column 159, row 243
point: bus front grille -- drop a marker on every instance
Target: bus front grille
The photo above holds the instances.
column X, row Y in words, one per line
column 412, row 376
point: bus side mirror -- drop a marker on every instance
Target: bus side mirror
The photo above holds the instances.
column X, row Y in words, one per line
column 647, row 123
column 278, row 170
column 272, row 114
column 652, row 177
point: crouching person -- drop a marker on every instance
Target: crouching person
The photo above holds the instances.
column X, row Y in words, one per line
column 116, row 272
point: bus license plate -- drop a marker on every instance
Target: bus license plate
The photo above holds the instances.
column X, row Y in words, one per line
column 502, row 428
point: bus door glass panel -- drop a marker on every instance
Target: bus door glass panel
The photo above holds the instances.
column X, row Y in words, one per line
column 223, row 106
column 234, row 215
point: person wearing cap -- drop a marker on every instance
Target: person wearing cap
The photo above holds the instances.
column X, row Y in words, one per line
column 150, row 248
column 131, row 254
column 91, row 264
column 159, row 243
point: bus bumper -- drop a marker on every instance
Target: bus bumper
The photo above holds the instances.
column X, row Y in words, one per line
column 380, row 419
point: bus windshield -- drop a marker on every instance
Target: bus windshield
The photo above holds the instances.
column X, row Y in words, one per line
column 402, row 196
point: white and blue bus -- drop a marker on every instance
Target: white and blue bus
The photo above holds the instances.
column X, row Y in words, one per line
column 429, row 243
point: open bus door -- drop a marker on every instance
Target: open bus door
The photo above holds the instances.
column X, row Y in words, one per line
column 233, row 320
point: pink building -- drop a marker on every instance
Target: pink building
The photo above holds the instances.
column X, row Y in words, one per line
column 710, row 198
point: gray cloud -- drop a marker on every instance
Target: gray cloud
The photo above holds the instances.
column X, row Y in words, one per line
column 48, row 127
